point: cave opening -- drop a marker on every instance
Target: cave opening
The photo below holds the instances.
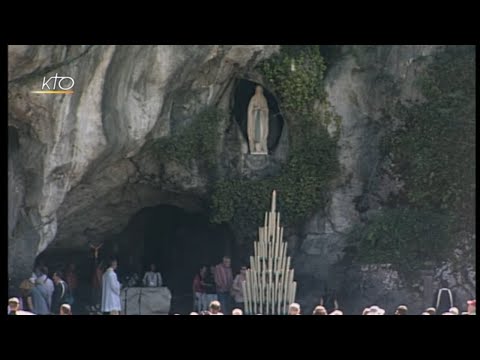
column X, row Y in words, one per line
column 178, row 242
column 244, row 90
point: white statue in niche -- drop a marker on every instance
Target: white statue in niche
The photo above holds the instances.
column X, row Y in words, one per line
column 257, row 125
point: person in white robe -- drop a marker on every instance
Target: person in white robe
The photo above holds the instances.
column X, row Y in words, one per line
column 111, row 291
column 152, row 278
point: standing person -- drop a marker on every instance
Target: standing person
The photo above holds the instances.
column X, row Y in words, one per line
column 65, row 309
column 15, row 309
column 209, row 286
column 329, row 300
column 294, row 309
column 26, row 295
column 71, row 280
column 237, row 288
column 215, row 308
column 60, row 294
column 97, row 286
column 224, row 280
column 320, row 310
column 111, row 290
column 444, row 298
column 13, row 306
column 199, row 290
column 401, row 310
column 472, row 307
column 39, row 294
column 42, row 278
column 152, row 278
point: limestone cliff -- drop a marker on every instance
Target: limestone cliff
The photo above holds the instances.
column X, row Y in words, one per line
column 80, row 165
column 75, row 161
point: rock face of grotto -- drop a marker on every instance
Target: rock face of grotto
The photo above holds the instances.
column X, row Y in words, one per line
column 81, row 166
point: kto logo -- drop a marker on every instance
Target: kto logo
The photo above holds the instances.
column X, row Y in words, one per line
column 51, row 86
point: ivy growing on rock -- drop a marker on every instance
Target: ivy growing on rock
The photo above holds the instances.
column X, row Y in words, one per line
column 197, row 141
column 405, row 237
column 312, row 160
column 434, row 153
column 296, row 76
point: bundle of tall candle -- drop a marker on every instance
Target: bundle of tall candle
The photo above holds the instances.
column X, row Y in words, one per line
column 269, row 287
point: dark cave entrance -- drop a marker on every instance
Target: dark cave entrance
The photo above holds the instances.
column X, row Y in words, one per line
column 244, row 90
column 178, row 242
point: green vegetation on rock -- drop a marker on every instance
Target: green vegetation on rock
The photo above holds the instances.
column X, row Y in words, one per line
column 405, row 237
column 434, row 153
column 196, row 141
column 296, row 76
column 312, row 159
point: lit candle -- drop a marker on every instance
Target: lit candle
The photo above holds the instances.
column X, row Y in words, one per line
column 274, row 200
column 280, row 293
column 257, row 259
column 290, row 289
column 270, row 269
column 275, row 243
column 267, row 303
column 272, row 297
column 253, row 293
column 260, row 293
column 281, row 257
column 294, row 290
column 285, row 294
column 277, row 233
column 275, row 294
column 246, row 296
column 279, row 296
column 270, row 226
column 291, row 286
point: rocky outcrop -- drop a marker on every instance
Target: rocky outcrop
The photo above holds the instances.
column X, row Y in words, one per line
column 80, row 165
column 363, row 88
column 81, row 156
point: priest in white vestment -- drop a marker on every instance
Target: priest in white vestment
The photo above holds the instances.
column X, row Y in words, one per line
column 152, row 278
column 111, row 291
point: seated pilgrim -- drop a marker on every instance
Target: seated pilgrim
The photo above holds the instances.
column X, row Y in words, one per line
column 152, row 278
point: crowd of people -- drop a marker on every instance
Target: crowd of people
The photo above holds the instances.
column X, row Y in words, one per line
column 216, row 283
column 42, row 295
column 215, row 290
column 295, row 309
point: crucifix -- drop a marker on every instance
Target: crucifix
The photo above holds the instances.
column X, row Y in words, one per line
column 95, row 249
